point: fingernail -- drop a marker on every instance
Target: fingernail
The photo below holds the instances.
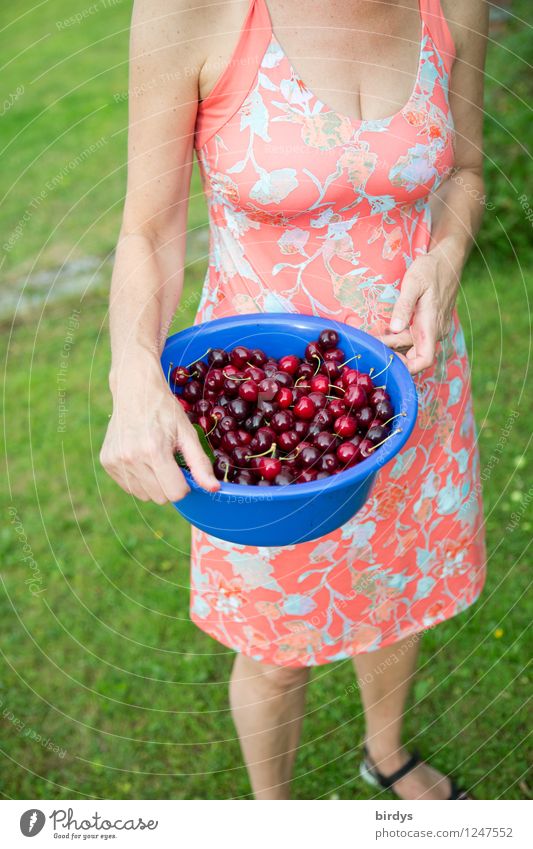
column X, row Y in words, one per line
column 396, row 325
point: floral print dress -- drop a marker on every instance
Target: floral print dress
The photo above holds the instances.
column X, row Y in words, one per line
column 312, row 211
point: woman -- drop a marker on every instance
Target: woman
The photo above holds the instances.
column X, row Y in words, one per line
column 330, row 178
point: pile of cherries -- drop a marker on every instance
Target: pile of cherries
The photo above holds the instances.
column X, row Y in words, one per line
column 284, row 421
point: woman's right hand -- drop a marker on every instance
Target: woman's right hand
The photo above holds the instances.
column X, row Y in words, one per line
column 148, row 425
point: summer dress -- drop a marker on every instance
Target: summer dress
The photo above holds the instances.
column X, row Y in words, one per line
column 312, row 211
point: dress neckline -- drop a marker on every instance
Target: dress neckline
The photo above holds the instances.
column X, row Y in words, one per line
column 358, row 122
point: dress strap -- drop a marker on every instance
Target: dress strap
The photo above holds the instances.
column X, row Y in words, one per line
column 238, row 76
column 435, row 21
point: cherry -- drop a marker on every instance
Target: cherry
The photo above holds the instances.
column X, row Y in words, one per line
column 202, row 407
column 364, row 417
column 217, row 357
column 243, row 436
column 305, row 409
column 227, row 424
column 301, row 427
column 179, row 376
column 282, row 421
column 267, row 408
column 262, row 441
column 193, row 391
column 245, row 477
column 379, row 394
column 324, row 418
column 191, row 415
column 184, row 403
column 305, row 370
column 365, row 448
column 253, row 423
column 355, row 397
column 222, row 465
column 249, row 391
column 347, row 454
column 288, row 440
column 336, row 407
column 328, row 339
column 330, row 369
column 284, row 398
column 205, row 422
column 289, row 364
column 335, row 355
column 284, row 478
column 257, row 357
column 328, row 463
column 313, row 353
column 376, row 433
column 231, row 387
column 384, row 410
column 307, row 476
column 325, row 441
column 365, row 381
column 308, row 456
column 214, row 379
column 302, row 387
column 239, row 356
column 283, row 379
column 229, row 442
column 254, row 373
column 268, row 389
column 240, row 456
column 199, row 369
column 320, row 383
column 238, row 408
column 263, row 482
column 269, row 467
column 318, row 399
column 345, row 426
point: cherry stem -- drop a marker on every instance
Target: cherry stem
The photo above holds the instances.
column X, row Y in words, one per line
column 316, row 357
column 355, row 357
column 394, row 432
column 270, row 450
column 209, row 432
column 382, row 370
column 234, row 377
column 333, row 386
column 393, row 417
column 226, row 473
column 196, row 359
column 168, row 373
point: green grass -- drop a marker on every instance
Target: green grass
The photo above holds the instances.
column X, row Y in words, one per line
column 104, row 663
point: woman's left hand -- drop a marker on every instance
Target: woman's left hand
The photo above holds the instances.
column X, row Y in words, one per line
column 422, row 315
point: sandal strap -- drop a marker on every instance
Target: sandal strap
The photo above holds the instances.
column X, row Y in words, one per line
column 457, row 792
column 388, row 780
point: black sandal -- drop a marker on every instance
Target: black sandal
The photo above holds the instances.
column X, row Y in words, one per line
column 371, row 774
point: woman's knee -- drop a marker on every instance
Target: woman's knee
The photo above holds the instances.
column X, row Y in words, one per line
column 269, row 678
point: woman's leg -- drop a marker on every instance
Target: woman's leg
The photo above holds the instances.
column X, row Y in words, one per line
column 267, row 704
column 385, row 677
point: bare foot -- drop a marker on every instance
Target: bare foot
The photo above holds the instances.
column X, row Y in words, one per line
column 421, row 782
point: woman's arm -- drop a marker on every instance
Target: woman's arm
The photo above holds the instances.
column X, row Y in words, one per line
column 147, row 425
column 423, row 312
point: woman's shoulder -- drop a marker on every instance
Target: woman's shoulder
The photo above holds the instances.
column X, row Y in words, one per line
column 467, row 21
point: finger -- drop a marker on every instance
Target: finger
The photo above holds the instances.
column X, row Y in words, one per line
column 197, row 460
column 170, row 478
column 405, row 305
column 403, row 339
column 424, row 330
column 132, row 485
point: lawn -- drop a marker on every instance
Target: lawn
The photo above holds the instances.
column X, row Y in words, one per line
column 107, row 689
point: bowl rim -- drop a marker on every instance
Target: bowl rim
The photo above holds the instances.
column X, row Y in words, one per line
column 347, row 478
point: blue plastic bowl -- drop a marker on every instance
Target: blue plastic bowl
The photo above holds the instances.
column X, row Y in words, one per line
column 285, row 515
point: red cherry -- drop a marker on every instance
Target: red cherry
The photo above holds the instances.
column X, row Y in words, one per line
column 313, row 351
column 289, row 364
column 284, row 478
column 330, row 369
column 205, row 422
column 254, row 373
column 349, row 377
column 284, row 398
column 324, row 418
column 345, row 426
column 288, row 440
column 304, row 409
column 257, row 357
column 365, row 448
column 308, row 456
column 318, row 399
column 301, row 428
column 365, row 381
column 320, row 383
column 184, row 403
column 355, row 397
column 378, row 395
column 384, row 410
column 230, row 371
column 335, row 355
column 336, row 407
column 328, row 463
column 347, row 454
column 243, row 436
column 249, row 391
column 282, row 421
column 325, row 441
column 269, row 467
column 239, row 356
column 268, row 389
column 179, row 376
column 364, row 417
column 305, row 370
column 328, row 339
column 307, row 476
